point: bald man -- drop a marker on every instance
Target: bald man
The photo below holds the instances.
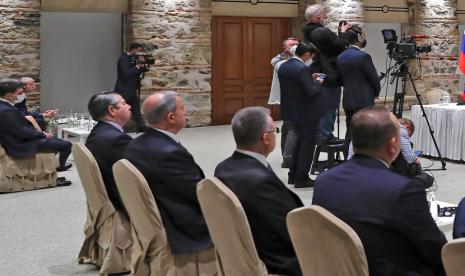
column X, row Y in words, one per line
column 172, row 175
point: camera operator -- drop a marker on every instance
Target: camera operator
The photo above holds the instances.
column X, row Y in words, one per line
column 330, row 46
column 130, row 67
column 359, row 78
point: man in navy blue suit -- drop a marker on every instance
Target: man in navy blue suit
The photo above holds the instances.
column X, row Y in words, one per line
column 388, row 211
column 265, row 199
column 128, row 81
column 302, row 108
column 359, row 78
column 459, row 221
column 107, row 141
column 19, row 138
column 172, row 175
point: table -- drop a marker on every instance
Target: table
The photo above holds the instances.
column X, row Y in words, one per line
column 448, row 123
column 81, row 133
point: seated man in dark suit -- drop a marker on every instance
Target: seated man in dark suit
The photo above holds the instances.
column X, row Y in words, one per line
column 459, row 221
column 107, row 140
column 19, row 138
column 359, row 78
column 37, row 119
column 301, row 107
column 265, row 199
column 388, row 211
column 172, row 175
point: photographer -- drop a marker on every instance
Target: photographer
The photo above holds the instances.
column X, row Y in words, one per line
column 359, row 78
column 130, row 67
column 330, row 46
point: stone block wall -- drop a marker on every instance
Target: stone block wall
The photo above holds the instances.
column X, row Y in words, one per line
column 20, row 41
column 181, row 30
column 437, row 19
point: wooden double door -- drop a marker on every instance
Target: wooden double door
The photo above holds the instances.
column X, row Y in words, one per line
column 242, row 48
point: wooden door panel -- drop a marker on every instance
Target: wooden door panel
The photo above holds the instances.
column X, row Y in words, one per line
column 242, row 48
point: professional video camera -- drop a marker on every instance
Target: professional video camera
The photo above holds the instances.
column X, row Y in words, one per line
column 143, row 59
column 407, row 48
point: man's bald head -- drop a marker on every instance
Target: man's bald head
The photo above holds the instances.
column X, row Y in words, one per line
column 164, row 110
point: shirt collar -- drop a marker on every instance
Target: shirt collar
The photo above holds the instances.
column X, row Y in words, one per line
column 384, row 162
column 355, row 46
column 298, row 58
column 12, row 104
column 260, row 157
column 169, row 134
column 115, row 124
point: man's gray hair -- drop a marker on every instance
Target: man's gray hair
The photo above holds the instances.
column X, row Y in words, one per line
column 312, row 12
column 99, row 103
column 249, row 124
column 158, row 113
column 25, row 80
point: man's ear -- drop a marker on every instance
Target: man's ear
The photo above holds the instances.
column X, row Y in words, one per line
column 170, row 117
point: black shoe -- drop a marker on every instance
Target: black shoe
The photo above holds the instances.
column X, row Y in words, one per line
column 334, row 141
column 62, row 183
column 61, row 178
column 309, row 183
column 66, row 167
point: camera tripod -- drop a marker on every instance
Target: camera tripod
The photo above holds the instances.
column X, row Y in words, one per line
column 402, row 72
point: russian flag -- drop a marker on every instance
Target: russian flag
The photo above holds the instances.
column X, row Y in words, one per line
column 462, row 56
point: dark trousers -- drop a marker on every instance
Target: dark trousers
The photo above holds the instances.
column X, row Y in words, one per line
column 303, row 154
column 348, row 137
column 56, row 145
column 134, row 102
column 288, row 141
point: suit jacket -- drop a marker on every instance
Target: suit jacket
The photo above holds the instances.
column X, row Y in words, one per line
column 128, row 77
column 266, row 202
column 22, row 107
column 108, row 144
column 459, row 221
column 172, row 175
column 300, row 96
column 19, row 138
column 389, row 213
column 359, row 78
column 330, row 46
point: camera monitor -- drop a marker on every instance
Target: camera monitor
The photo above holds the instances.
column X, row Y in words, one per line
column 389, row 35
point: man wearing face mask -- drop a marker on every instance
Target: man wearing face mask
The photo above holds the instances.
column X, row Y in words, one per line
column 359, row 78
column 37, row 119
column 388, row 211
column 330, row 46
column 19, row 138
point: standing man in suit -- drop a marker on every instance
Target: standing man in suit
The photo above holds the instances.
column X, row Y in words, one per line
column 172, row 175
column 330, row 45
column 19, row 138
column 36, row 118
column 359, row 78
column 265, row 199
column 128, row 81
column 301, row 101
column 388, row 211
column 459, row 221
column 107, row 141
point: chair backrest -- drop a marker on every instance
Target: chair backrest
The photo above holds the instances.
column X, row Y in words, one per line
column 145, row 218
column 229, row 229
column 324, row 244
column 91, row 178
column 434, row 95
column 453, row 256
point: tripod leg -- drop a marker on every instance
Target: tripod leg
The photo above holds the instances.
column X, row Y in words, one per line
column 396, row 97
column 431, row 131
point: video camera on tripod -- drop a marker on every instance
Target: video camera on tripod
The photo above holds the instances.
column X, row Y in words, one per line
column 406, row 48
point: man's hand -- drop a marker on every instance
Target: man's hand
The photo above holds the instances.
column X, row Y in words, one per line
column 48, row 135
column 319, row 77
column 50, row 113
column 417, row 161
column 345, row 27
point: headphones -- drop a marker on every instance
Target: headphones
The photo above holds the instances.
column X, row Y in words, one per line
column 359, row 31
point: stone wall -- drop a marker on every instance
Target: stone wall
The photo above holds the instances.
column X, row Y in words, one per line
column 437, row 19
column 20, row 41
column 181, row 30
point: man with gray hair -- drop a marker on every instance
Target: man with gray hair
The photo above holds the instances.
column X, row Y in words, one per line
column 265, row 199
column 172, row 175
column 107, row 141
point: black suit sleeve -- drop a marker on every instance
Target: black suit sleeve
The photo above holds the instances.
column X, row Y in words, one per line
column 182, row 173
column 12, row 124
column 127, row 70
column 413, row 219
column 307, row 83
column 330, row 43
column 118, row 147
column 372, row 76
